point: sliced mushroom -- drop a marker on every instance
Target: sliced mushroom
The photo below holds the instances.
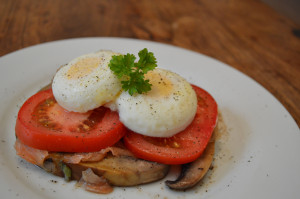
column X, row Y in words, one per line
column 193, row 172
column 117, row 170
column 123, row 170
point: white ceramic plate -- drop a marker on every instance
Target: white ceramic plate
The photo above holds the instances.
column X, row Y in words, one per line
column 258, row 157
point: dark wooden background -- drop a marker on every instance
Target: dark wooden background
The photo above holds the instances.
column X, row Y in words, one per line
column 246, row 34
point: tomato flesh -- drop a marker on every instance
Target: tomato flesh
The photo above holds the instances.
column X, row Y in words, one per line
column 44, row 125
column 185, row 146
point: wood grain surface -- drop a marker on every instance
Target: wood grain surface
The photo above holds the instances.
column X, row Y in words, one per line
column 248, row 35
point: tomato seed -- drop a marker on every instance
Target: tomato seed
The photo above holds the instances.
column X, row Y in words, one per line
column 176, row 145
column 42, row 120
column 86, row 127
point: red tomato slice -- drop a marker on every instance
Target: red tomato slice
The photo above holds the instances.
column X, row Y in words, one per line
column 44, row 125
column 183, row 147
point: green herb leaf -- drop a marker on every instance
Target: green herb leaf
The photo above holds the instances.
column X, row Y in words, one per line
column 66, row 170
column 122, row 64
column 147, row 61
column 132, row 73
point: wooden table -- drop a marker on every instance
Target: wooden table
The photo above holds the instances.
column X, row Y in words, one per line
column 248, row 35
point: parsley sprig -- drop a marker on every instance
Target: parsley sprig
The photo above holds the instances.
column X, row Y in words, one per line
column 132, row 73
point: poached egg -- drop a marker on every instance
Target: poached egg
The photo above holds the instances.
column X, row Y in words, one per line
column 86, row 82
column 168, row 108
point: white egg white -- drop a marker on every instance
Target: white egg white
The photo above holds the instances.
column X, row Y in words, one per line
column 86, row 82
column 162, row 112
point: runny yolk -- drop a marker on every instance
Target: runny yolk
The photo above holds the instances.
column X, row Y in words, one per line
column 161, row 85
column 83, row 67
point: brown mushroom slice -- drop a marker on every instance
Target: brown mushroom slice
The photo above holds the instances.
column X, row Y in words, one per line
column 123, row 170
column 117, row 170
column 193, row 172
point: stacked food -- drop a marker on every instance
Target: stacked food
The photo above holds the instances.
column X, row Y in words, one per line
column 107, row 120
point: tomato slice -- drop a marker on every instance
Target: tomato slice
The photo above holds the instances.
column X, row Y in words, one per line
column 184, row 147
column 45, row 125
